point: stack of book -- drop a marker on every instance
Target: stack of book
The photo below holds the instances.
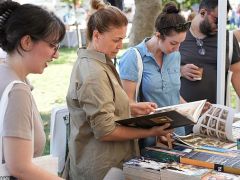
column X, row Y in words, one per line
column 142, row 169
column 145, row 169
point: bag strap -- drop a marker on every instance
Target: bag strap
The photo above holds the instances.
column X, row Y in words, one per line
column 3, row 108
column 140, row 71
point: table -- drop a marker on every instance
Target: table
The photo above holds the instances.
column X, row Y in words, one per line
column 71, row 37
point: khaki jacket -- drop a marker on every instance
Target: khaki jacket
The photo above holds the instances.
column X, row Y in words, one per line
column 95, row 100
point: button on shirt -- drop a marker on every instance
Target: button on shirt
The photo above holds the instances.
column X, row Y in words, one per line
column 159, row 84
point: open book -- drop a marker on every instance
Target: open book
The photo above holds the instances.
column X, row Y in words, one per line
column 214, row 128
column 177, row 115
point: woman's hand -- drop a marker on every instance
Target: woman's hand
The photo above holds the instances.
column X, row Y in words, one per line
column 165, row 140
column 142, row 108
column 161, row 130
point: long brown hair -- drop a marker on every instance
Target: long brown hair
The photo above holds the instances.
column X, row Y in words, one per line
column 105, row 17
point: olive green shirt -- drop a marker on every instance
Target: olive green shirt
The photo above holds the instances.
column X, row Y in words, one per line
column 95, row 101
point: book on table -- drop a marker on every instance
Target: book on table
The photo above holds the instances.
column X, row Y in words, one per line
column 215, row 128
column 147, row 169
column 140, row 168
column 219, row 159
column 177, row 115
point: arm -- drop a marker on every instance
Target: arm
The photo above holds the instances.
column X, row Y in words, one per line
column 130, row 89
column 18, row 156
column 121, row 133
column 235, row 68
column 182, row 101
column 140, row 108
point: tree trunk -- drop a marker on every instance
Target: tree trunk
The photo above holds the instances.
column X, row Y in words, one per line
column 143, row 21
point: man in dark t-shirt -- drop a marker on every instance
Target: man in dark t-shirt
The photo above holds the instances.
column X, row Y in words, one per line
column 200, row 50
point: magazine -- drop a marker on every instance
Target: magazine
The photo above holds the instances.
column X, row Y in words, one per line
column 177, row 115
column 214, row 128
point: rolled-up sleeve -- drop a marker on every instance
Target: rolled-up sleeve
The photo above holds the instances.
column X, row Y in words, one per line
column 97, row 99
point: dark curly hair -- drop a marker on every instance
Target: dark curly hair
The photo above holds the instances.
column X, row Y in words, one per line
column 169, row 20
column 18, row 20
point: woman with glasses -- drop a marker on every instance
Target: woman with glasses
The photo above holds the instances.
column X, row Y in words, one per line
column 159, row 55
column 30, row 35
column 96, row 100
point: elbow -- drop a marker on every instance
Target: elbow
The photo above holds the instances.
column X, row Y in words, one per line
column 108, row 137
column 104, row 138
column 17, row 170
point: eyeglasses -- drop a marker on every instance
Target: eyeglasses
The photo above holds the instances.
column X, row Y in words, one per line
column 179, row 27
column 214, row 17
column 199, row 43
column 54, row 46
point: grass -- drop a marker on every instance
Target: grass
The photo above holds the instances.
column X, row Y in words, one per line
column 50, row 88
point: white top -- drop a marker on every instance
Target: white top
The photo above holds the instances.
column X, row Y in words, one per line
column 3, row 54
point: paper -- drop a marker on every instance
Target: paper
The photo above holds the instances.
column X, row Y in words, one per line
column 214, row 128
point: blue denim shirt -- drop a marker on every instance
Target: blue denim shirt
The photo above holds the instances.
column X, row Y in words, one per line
column 159, row 85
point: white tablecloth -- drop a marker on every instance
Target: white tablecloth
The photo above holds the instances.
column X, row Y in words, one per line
column 71, row 37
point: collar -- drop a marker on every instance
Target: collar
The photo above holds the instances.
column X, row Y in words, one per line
column 143, row 47
column 92, row 54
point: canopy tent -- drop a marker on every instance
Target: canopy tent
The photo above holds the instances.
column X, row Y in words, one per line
column 221, row 52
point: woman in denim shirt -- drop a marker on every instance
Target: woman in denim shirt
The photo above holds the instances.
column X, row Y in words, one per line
column 161, row 63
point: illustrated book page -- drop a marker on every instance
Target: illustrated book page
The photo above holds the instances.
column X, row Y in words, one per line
column 214, row 128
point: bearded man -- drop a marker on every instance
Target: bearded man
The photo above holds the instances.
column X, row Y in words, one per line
column 200, row 50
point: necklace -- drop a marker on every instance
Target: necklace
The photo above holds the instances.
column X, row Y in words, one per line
column 194, row 34
column 199, row 43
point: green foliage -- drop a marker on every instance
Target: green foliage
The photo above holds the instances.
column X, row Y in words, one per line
column 75, row 2
column 67, row 55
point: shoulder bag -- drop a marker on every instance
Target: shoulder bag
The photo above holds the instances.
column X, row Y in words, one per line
column 140, row 71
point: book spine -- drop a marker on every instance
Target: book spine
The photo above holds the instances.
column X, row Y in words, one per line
column 217, row 167
column 196, row 162
column 165, row 157
column 231, row 170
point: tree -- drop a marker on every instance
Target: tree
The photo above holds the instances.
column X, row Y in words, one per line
column 145, row 14
column 143, row 21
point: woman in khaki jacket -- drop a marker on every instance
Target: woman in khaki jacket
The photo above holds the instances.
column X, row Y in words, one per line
column 96, row 100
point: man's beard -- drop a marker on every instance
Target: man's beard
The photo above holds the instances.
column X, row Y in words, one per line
column 205, row 28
